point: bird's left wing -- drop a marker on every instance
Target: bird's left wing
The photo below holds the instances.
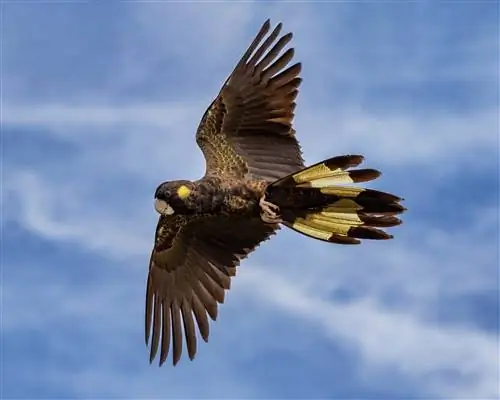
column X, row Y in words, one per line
column 190, row 268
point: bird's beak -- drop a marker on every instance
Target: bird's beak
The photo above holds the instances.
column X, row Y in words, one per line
column 163, row 208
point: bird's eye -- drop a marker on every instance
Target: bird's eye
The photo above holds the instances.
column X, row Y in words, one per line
column 163, row 208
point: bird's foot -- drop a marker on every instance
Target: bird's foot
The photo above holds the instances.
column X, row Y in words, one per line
column 269, row 212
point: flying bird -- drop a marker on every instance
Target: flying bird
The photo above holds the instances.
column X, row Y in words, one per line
column 255, row 181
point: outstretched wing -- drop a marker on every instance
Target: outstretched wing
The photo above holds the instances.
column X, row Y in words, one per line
column 247, row 130
column 191, row 266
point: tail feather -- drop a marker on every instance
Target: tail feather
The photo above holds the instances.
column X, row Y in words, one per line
column 311, row 202
column 330, row 172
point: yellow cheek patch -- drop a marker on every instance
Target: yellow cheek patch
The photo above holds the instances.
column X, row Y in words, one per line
column 183, row 191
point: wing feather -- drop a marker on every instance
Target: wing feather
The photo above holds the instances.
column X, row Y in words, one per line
column 189, row 330
column 201, row 317
column 155, row 340
column 165, row 334
column 175, row 313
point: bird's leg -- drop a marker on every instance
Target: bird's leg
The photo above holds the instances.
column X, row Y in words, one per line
column 269, row 212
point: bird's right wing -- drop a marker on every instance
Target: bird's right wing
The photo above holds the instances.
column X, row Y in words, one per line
column 191, row 265
column 247, row 130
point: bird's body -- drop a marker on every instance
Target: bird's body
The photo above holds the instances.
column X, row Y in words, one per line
column 214, row 196
column 255, row 181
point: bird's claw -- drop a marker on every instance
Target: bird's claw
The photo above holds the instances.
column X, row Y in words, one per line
column 269, row 212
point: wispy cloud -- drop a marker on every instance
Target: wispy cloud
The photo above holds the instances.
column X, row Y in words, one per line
column 388, row 339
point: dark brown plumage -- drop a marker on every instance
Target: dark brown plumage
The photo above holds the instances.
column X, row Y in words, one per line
column 255, row 179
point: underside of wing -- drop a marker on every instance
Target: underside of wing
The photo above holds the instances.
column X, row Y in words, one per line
column 191, row 266
column 247, row 130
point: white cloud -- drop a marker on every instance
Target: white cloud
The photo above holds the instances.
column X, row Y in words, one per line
column 387, row 338
column 399, row 139
column 148, row 131
column 105, row 319
column 64, row 116
column 60, row 213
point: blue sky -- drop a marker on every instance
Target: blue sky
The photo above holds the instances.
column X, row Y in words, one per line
column 100, row 104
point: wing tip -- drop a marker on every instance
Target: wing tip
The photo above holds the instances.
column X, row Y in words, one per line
column 265, row 26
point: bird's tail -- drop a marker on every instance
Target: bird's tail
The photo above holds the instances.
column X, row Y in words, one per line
column 314, row 202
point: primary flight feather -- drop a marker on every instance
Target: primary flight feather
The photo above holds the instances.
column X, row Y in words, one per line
column 255, row 180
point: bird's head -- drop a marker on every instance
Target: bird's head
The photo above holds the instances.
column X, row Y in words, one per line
column 170, row 197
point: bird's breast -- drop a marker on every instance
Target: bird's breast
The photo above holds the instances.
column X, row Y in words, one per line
column 228, row 197
column 242, row 198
